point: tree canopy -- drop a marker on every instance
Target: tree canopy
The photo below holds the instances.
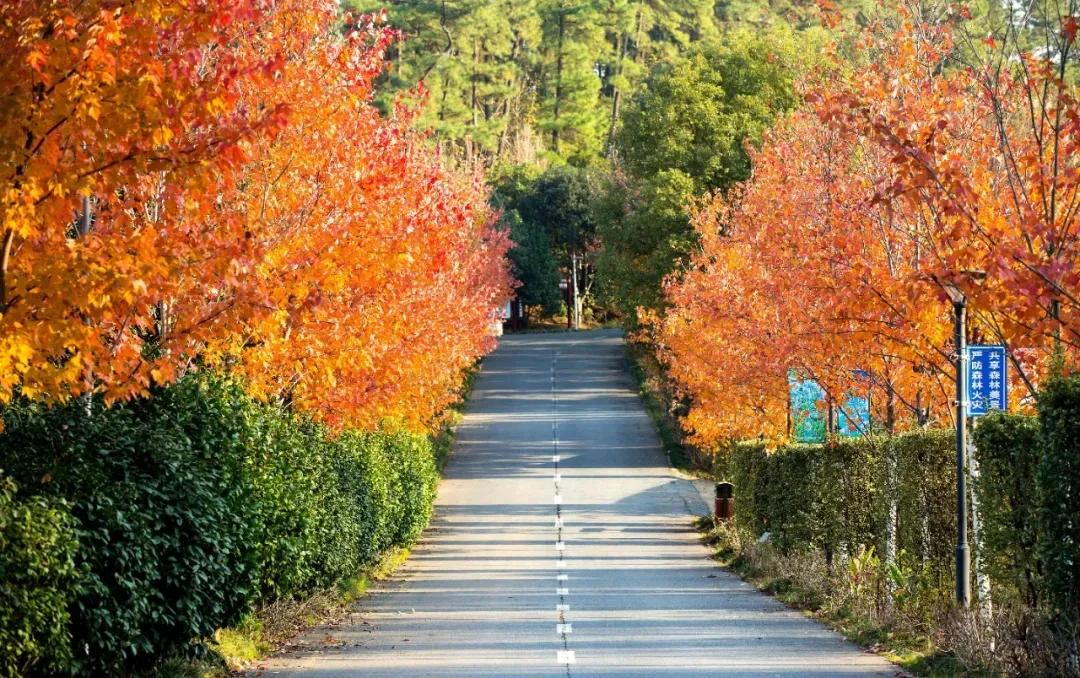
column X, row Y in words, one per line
column 685, row 134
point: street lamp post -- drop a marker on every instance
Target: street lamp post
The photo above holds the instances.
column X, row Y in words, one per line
column 963, row 554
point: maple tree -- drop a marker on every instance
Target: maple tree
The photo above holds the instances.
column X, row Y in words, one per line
column 250, row 208
column 910, row 169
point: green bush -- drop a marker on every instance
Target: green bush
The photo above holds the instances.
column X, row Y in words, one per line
column 412, row 463
column 926, row 499
column 847, row 493
column 159, row 544
column 1059, row 488
column 1008, row 453
column 746, row 473
column 190, row 507
column 38, row 577
column 363, row 471
column 832, row 496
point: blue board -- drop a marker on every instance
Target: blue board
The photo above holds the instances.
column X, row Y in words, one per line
column 853, row 419
column 987, row 380
column 807, row 422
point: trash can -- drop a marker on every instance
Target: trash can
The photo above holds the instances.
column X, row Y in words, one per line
column 725, row 502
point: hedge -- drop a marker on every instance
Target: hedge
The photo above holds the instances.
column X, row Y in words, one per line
column 38, row 577
column 833, row 497
column 1058, row 515
column 836, row 498
column 188, row 508
column 1008, row 453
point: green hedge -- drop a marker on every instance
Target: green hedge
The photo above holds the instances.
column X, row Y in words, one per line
column 836, row 498
column 38, row 578
column 194, row 505
column 926, row 499
column 1008, row 453
column 832, row 496
column 1058, row 515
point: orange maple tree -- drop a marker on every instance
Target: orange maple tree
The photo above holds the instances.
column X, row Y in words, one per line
column 209, row 184
column 911, row 169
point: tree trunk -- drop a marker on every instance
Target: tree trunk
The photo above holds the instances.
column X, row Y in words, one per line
column 890, row 476
column 616, row 94
column 82, row 228
column 558, row 82
column 472, row 83
column 982, row 581
column 575, row 299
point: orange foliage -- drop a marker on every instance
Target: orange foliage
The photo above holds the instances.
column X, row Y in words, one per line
column 824, row 261
column 251, row 209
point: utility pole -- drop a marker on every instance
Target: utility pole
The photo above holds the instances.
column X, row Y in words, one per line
column 963, row 557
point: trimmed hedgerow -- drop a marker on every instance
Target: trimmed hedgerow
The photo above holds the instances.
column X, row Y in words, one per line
column 831, row 496
column 38, row 575
column 1008, row 453
column 160, row 545
column 194, row 505
column 1058, row 478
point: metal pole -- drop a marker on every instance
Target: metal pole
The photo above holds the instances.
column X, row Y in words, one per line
column 963, row 588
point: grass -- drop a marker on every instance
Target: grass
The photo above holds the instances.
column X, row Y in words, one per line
column 271, row 626
column 915, row 652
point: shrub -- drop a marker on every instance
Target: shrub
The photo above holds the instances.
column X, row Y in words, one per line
column 926, row 499
column 1059, row 502
column 159, row 543
column 412, row 461
column 846, row 493
column 1008, row 453
column 363, row 473
column 746, row 469
column 39, row 577
column 190, row 507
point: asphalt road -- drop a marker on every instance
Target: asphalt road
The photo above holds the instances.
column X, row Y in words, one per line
column 562, row 545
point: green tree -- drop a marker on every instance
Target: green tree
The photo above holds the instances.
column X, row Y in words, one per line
column 476, row 60
column 534, row 263
column 515, row 80
column 555, row 208
column 683, row 135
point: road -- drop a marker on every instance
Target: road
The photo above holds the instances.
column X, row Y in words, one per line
column 562, row 545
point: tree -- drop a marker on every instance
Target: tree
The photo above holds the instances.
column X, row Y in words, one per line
column 534, row 264
column 231, row 226
column 558, row 203
column 533, row 256
column 904, row 171
column 133, row 112
column 513, row 80
column 683, row 135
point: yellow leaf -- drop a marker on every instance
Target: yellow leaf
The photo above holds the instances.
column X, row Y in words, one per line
column 162, row 136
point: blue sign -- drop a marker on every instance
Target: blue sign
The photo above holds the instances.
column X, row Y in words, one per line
column 853, row 419
column 807, row 422
column 987, row 380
